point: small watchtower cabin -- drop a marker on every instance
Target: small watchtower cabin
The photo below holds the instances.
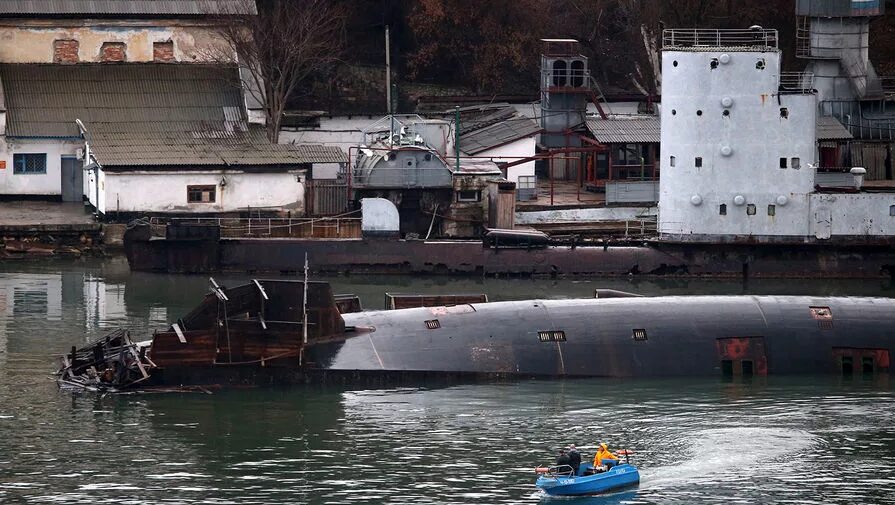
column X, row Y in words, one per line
column 833, row 37
column 565, row 89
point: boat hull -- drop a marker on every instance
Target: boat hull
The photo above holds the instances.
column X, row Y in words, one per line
column 620, row 476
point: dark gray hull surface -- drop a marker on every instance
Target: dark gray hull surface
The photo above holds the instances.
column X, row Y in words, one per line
column 622, row 337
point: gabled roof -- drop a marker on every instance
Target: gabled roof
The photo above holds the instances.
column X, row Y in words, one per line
column 625, row 130
column 498, row 134
column 146, row 114
column 117, row 8
column 829, row 128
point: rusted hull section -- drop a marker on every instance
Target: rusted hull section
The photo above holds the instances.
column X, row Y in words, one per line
column 471, row 258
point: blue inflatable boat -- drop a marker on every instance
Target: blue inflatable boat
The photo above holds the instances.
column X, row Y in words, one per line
column 559, row 481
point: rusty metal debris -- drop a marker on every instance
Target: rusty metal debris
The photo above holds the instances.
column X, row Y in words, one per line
column 110, row 364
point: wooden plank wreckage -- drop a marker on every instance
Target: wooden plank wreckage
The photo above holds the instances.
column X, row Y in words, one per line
column 264, row 324
column 293, row 331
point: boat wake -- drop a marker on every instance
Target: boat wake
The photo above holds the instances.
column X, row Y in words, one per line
column 745, row 453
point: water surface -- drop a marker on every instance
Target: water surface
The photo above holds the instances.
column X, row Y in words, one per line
column 773, row 440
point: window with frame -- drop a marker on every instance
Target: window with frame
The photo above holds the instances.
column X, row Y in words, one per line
column 29, row 163
column 469, row 196
column 200, row 194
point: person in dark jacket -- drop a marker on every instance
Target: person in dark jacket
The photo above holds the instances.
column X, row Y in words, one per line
column 563, row 459
column 574, row 458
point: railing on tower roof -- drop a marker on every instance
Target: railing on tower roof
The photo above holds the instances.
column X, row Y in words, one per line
column 797, row 82
column 755, row 38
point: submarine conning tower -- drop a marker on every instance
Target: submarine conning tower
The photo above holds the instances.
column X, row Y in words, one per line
column 737, row 138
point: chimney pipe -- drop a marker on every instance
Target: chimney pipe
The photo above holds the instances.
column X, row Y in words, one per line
column 858, row 173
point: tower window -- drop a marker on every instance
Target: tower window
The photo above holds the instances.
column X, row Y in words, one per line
column 784, row 112
column 698, row 162
column 671, row 162
column 722, row 209
column 750, row 209
column 795, row 163
column 782, row 162
column 559, row 73
column 577, row 73
column 772, row 210
column 892, row 210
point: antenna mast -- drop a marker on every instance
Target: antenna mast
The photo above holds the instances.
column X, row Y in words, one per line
column 304, row 310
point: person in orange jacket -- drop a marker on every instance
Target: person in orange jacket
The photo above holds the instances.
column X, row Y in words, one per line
column 602, row 455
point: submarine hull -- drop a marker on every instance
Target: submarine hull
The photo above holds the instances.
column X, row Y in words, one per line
column 620, row 337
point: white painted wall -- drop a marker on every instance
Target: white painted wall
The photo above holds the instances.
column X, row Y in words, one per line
column 346, row 133
column 326, row 170
column 49, row 183
column 97, row 198
column 343, row 132
column 854, row 214
column 521, row 148
column 756, row 136
column 167, row 191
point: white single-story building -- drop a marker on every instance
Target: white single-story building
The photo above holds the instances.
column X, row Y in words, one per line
column 146, row 138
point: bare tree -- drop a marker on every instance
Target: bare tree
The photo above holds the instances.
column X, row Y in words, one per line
column 279, row 48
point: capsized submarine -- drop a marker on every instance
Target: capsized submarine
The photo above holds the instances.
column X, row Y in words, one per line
column 265, row 332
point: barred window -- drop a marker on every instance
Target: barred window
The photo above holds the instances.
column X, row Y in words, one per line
column 29, row 163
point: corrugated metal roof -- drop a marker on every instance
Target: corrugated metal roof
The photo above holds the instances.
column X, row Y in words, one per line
column 183, row 150
column 633, row 130
column 829, row 128
column 43, row 100
column 146, row 114
column 125, row 7
column 498, row 134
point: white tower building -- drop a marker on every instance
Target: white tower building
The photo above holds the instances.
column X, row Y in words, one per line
column 738, row 139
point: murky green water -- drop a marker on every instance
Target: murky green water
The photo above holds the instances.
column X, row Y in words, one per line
column 780, row 440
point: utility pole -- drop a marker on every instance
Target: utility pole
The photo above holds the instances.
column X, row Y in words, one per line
column 457, row 136
column 388, row 74
column 388, row 90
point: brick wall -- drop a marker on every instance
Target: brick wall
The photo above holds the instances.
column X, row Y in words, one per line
column 163, row 51
column 113, row 52
column 65, row 51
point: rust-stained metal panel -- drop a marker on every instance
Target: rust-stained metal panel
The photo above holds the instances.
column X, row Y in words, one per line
column 743, row 349
column 395, row 301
